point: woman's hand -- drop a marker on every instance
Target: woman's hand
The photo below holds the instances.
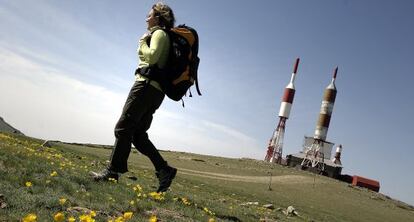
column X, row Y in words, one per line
column 144, row 37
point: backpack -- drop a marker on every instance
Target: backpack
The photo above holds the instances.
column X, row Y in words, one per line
column 180, row 72
column 183, row 62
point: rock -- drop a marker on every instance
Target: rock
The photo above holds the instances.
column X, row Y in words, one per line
column 95, row 163
column 47, row 144
column 3, row 203
column 82, row 188
column 266, row 219
column 290, row 211
column 249, row 203
column 376, row 198
column 269, row 206
column 78, row 210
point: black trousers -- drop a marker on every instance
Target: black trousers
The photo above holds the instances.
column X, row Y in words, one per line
column 143, row 100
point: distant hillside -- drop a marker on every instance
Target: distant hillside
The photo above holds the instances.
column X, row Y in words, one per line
column 5, row 127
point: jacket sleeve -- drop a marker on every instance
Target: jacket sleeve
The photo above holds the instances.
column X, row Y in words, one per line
column 153, row 52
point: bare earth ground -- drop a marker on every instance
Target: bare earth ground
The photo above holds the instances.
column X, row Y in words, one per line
column 285, row 179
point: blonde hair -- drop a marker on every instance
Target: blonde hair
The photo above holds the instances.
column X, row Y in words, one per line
column 165, row 15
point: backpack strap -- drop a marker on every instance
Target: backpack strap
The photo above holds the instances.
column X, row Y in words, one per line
column 196, row 62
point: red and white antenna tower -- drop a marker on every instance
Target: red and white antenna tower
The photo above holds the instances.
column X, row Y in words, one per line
column 275, row 147
column 316, row 153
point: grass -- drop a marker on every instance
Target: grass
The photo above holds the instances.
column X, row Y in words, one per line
column 206, row 188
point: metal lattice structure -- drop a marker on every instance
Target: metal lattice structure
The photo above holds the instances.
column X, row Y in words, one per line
column 314, row 156
column 319, row 149
column 275, row 148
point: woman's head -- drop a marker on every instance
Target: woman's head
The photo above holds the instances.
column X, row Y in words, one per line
column 161, row 15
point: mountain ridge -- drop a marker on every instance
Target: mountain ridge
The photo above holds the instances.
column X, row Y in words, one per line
column 6, row 127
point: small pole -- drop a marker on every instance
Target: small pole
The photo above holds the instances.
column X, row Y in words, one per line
column 270, row 181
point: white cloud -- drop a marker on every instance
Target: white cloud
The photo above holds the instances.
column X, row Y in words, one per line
column 49, row 34
column 179, row 132
column 229, row 132
column 45, row 102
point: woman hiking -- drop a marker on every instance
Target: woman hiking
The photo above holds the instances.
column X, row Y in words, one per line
column 144, row 98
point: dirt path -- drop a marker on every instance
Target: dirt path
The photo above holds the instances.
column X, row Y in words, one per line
column 285, row 179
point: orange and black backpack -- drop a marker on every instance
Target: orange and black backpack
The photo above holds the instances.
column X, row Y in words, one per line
column 183, row 62
column 180, row 72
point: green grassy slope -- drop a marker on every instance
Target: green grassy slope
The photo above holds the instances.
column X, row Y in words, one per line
column 206, row 188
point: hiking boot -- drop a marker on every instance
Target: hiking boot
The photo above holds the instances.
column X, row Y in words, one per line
column 165, row 176
column 105, row 175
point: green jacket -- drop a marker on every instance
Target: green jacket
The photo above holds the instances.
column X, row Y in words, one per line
column 156, row 53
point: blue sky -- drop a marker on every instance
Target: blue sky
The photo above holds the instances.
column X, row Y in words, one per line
column 66, row 68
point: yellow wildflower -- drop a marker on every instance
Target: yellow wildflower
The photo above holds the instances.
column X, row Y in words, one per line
column 59, row 217
column 132, row 202
column 185, row 201
column 93, row 213
column 119, row 219
column 153, row 218
column 62, row 201
column 208, row 211
column 58, row 155
column 30, row 218
column 71, row 219
column 83, row 218
column 113, row 180
column 86, row 218
column 211, row 220
column 157, row 196
column 128, row 215
column 53, row 174
column 138, row 187
column 28, row 184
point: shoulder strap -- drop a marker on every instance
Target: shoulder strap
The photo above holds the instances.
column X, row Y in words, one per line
column 196, row 60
